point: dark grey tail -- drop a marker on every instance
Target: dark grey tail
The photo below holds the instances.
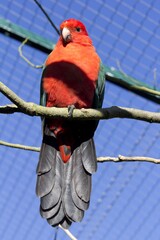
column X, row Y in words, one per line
column 64, row 188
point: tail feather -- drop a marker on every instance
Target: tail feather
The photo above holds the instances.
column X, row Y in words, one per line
column 57, row 218
column 45, row 170
column 45, row 183
column 48, row 213
column 81, row 183
column 82, row 179
column 65, row 223
column 51, row 199
column 48, row 153
column 77, row 200
column 89, row 156
column 64, row 188
column 74, row 214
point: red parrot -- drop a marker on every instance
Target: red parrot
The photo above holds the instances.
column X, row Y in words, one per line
column 73, row 76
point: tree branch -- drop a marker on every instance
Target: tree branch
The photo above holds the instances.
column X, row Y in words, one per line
column 33, row 109
column 19, row 146
column 24, row 58
column 67, row 232
column 120, row 158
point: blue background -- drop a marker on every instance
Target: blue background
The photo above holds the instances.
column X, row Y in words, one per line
column 125, row 202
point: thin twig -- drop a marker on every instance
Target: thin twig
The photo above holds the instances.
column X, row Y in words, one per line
column 56, row 233
column 120, row 158
column 119, row 68
column 19, row 146
column 68, row 233
column 47, row 16
column 24, row 58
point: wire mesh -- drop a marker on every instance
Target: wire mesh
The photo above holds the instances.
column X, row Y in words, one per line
column 125, row 197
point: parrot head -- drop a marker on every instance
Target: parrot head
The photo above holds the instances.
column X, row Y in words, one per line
column 72, row 30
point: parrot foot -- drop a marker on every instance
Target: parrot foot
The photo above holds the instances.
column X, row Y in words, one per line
column 70, row 110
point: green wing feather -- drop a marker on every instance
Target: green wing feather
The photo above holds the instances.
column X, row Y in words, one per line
column 100, row 87
column 43, row 98
column 43, row 95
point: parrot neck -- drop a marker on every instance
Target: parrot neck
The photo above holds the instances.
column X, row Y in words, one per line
column 81, row 40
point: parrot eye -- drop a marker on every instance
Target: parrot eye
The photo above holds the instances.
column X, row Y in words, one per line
column 78, row 29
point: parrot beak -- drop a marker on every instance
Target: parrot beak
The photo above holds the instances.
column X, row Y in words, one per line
column 66, row 35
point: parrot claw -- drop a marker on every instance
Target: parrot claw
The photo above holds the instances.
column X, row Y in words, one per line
column 70, row 110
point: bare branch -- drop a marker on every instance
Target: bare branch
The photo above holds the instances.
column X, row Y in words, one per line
column 9, row 109
column 24, row 58
column 20, row 146
column 81, row 114
column 120, row 158
column 67, row 232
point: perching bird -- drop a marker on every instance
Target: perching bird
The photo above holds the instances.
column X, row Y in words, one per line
column 73, row 77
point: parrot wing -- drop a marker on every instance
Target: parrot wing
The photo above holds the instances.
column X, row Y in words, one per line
column 100, row 87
